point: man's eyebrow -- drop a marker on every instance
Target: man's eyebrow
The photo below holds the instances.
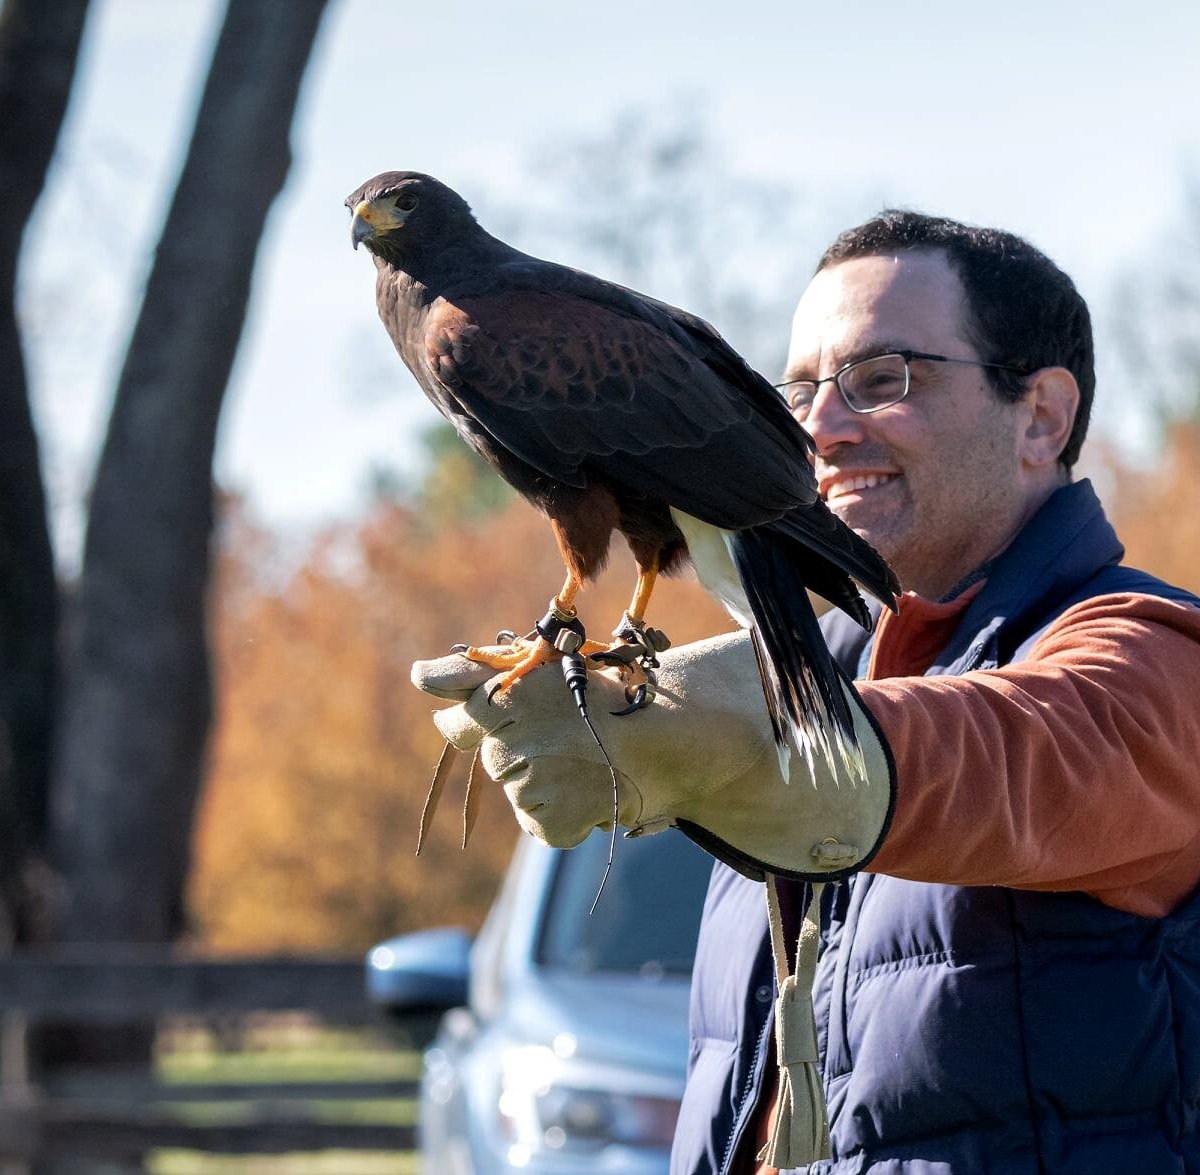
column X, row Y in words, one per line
column 870, row 350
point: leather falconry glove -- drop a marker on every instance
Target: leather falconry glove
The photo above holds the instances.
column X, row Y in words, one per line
column 703, row 759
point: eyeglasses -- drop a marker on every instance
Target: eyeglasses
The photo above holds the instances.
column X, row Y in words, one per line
column 870, row 385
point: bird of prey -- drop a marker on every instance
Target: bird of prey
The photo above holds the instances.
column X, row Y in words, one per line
column 612, row 411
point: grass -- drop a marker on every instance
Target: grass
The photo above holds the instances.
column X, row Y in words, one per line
column 316, row 1054
column 301, row 1054
column 300, row 1065
column 328, row 1163
column 382, row 1111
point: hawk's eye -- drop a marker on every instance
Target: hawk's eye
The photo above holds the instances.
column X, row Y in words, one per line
column 407, row 202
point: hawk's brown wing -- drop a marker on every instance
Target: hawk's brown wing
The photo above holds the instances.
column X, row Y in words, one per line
column 572, row 386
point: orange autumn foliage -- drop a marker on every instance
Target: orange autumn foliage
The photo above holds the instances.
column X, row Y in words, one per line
column 323, row 750
column 1155, row 511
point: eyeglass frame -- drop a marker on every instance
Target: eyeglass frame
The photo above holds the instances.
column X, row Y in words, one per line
column 906, row 355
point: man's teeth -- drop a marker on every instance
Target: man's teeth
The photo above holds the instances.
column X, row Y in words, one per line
column 867, row 481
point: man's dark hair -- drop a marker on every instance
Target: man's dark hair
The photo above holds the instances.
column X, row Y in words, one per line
column 1022, row 310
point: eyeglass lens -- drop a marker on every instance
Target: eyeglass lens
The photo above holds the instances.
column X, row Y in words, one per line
column 866, row 386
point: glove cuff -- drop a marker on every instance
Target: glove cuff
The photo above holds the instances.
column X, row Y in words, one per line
column 826, row 841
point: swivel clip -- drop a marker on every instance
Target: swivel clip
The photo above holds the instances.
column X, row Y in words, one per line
column 651, row 641
column 562, row 629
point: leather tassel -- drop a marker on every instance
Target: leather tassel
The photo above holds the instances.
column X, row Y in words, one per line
column 801, row 1129
column 471, row 802
column 801, row 1132
column 436, row 786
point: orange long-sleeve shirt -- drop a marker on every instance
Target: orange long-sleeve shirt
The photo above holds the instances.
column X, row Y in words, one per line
column 1075, row 769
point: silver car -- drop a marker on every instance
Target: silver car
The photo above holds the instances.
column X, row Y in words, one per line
column 569, row 1055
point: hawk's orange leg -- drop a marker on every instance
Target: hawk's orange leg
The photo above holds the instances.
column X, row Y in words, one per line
column 634, row 651
column 641, row 593
column 523, row 656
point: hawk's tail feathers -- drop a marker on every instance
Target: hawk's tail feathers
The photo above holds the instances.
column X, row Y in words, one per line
column 829, row 551
column 801, row 681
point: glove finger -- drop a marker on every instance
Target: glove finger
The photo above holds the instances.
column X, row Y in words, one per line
column 452, row 676
column 558, row 799
column 459, row 726
column 531, row 741
column 483, row 710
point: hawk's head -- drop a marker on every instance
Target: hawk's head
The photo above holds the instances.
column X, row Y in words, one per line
column 401, row 213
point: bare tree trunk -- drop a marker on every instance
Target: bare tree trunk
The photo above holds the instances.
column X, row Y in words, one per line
column 138, row 699
column 39, row 46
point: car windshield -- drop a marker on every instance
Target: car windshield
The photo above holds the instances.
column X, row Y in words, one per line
column 648, row 916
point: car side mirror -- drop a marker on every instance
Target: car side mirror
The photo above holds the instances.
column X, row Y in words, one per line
column 420, row 973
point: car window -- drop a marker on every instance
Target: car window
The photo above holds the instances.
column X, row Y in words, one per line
column 648, row 916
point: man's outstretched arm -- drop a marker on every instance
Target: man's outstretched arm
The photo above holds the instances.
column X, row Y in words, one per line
column 1077, row 769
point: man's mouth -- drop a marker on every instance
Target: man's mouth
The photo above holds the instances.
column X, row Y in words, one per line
column 843, row 485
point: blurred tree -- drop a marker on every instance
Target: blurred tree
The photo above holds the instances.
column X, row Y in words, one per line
column 138, row 702
column 653, row 202
column 130, row 737
column 458, row 484
column 1155, row 321
column 130, row 748
column 114, row 806
column 39, row 46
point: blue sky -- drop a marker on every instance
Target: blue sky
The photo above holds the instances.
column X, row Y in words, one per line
column 1067, row 121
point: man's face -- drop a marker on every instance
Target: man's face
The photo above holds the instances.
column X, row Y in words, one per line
column 947, row 490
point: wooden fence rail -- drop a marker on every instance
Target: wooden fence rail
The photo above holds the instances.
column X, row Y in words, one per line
column 58, row 1131
column 117, row 1117
column 107, row 984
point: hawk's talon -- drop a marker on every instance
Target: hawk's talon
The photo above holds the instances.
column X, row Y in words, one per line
column 635, row 655
column 459, row 648
column 505, row 636
column 501, row 658
column 649, row 691
column 641, row 697
column 494, row 689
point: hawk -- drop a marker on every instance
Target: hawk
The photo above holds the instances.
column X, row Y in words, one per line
column 612, row 411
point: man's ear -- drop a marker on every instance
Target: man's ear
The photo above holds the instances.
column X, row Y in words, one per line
column 1051, row 401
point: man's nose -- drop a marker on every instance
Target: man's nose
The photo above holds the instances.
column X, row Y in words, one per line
column 830, row 423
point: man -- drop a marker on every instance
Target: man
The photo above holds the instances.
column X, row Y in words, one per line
column 1013, row 984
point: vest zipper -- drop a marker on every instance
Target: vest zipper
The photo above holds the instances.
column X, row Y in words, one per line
column 837, row 1020
column 743, row 1119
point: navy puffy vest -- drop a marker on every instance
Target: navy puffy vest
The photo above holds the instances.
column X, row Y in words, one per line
column 969, row 1029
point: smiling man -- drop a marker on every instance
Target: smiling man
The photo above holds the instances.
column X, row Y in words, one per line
column 941, row 479
column 1012, row 985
